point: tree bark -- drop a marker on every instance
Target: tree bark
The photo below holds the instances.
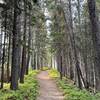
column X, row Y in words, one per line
column 24, row 59
column 15, row 51
column 95, row 38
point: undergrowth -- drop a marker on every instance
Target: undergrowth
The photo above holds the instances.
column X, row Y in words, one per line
column 45, row 68
column 70, row 91
column 26, row 91
column 53, row 73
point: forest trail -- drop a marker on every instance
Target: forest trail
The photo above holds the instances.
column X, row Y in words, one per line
column 48, row 89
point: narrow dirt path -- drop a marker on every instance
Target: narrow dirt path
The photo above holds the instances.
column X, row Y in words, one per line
column 48, row 89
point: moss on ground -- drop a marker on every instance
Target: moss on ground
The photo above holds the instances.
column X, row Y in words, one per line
column 26, row 91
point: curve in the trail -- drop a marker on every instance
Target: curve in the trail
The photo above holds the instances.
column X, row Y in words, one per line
column 48, row 89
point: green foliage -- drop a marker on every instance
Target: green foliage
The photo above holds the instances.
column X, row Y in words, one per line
column 71, row 92
column 27, row 91
column 53, row 73
column 45, row 68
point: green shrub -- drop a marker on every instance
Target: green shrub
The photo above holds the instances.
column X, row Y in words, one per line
column 53, row 73
column 71, row 92
column 45, row 68
column 26, row 91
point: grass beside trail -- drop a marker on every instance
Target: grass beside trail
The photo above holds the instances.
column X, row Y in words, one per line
column 26, row 91
column 53, row 73
column 71, row 92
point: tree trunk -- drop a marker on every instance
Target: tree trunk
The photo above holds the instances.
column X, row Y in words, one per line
column 23, row 67
column 29, row 43
column 96, row 39
column 15, row 52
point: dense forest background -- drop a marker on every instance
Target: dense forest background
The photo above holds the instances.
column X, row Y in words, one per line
column 63, row 34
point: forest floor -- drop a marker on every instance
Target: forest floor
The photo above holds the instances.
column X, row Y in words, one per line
column 48, row 89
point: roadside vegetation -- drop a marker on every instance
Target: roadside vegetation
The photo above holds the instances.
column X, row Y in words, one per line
column 70, row 91
column 26, row 91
